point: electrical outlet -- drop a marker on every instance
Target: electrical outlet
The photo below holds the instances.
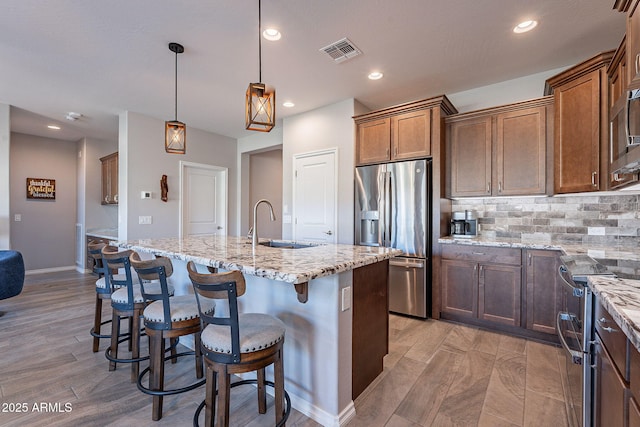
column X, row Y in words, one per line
column 346, row 298
column 145, row 220
column 17, row 217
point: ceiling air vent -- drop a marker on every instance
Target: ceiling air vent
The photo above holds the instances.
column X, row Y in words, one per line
column 341, row 50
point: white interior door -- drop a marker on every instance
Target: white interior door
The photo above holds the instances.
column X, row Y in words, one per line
column 204, row 199
column 315, row 197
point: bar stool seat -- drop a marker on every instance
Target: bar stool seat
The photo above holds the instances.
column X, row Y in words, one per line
column 236, row 344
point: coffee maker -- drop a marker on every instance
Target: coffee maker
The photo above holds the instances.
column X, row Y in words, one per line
column 464, row 224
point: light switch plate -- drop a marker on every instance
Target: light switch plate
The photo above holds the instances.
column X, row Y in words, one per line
column 17, row 217
column 145, row 220
column 346, row 298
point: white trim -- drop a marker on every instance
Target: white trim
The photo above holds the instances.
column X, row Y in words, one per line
column 51, row 270
column 183, row 166
column 298, row 156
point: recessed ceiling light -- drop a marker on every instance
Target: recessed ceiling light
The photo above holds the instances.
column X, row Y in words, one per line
column 376, row 75
column 525, row 26
column 54, row 127
column 271, row 34
column 288, row 104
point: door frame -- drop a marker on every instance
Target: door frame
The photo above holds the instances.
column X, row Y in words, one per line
column 184, row 165
column 298, row 156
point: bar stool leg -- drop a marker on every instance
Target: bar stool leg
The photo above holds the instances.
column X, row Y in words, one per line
column 224, row 395
column 115, row 333
column 97, row 321
column 198, row 351
column 135, row 345
column 131, row 332
column 210, row 403
column 262, row 395
column 278, row 374
column 156, row 370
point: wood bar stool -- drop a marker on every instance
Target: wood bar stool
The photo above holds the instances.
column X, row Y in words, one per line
column 126, row 302
column 170, row 317
column 239, row 343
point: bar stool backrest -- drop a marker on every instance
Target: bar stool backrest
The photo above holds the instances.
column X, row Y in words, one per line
column 155, row 269
column 226, row 286
column 94, row 251
column 118, row 260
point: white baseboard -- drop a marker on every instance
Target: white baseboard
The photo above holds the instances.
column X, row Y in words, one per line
column 50, row 270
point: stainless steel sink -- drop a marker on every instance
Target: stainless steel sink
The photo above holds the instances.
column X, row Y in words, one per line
column 285, row 245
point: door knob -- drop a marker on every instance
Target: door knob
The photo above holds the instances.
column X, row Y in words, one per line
column 329, row 233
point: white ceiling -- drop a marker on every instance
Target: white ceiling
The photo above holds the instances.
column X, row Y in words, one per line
column 101, row 58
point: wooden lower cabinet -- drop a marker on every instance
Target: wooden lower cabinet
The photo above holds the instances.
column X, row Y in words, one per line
column 482, row 283
column 499, row 293
column 460, row 287
column 610, row 390
column 634, row 413
column 506, row 289
column 543, row 289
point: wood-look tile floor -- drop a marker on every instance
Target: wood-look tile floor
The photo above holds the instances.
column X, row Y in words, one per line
column 437, row 373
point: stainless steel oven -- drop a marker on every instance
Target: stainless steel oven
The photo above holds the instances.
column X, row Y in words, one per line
column 575, row 330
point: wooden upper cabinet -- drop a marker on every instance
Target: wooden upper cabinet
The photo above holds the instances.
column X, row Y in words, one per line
column 109, row 179
column 411, row 135
column 398, row 133
column 374, row 141
column 577, row 135
column 521, row 152
column 581, row 128
column 500, row 151
column 633, row 45
column 470, row 142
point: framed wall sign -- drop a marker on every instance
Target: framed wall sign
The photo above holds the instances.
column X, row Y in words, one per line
column 41, row 188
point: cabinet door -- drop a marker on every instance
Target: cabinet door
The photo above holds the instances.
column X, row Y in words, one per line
column 459, row 287
column 411, row 135
column 577, row 135
column 470, row 142
column 634, row 413
column 521, row 152
column 106, row 188
column 113, row 179
column 543, row 290
column 633, row 45
column 609, row 392
column 374, row 141
column 500, row 294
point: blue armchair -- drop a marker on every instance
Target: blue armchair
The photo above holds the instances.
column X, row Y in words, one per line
column 11, row 274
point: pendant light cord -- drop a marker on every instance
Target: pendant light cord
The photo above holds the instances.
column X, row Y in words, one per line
column 259, row 41
column 176, row 87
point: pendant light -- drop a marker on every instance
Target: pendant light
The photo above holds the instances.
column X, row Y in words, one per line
column 260, row 105
column 175, row 140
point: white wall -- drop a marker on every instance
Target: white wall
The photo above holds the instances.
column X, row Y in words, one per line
column 46, row 235
column 143, row 161
column 327, row 127
column 5, row 138
column 507, row 92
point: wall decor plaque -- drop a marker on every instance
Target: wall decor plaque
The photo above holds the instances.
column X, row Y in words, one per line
column 41, row 188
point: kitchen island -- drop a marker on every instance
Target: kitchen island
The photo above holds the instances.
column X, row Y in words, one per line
column 332, row 298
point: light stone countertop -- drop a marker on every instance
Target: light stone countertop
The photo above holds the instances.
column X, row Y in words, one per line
column 286, row 265
column 619, row 296
column 104, row 233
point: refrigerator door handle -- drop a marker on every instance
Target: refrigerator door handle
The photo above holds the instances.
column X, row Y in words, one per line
column 387, row 209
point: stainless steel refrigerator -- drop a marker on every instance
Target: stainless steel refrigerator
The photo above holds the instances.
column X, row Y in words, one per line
column 392, row 209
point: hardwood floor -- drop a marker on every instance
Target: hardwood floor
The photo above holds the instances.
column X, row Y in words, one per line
column 437, row 373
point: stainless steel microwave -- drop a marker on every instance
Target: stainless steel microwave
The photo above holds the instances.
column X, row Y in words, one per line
column 625, row 134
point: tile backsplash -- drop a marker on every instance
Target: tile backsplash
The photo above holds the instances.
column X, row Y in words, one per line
column 596, row 219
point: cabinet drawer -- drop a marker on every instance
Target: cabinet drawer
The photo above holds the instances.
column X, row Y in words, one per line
column 483, row 254
column 613, row 338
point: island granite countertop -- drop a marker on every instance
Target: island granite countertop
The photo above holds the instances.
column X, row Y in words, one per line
column 282, row 264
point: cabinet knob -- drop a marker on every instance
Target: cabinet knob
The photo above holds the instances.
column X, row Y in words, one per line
column 115, row 198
